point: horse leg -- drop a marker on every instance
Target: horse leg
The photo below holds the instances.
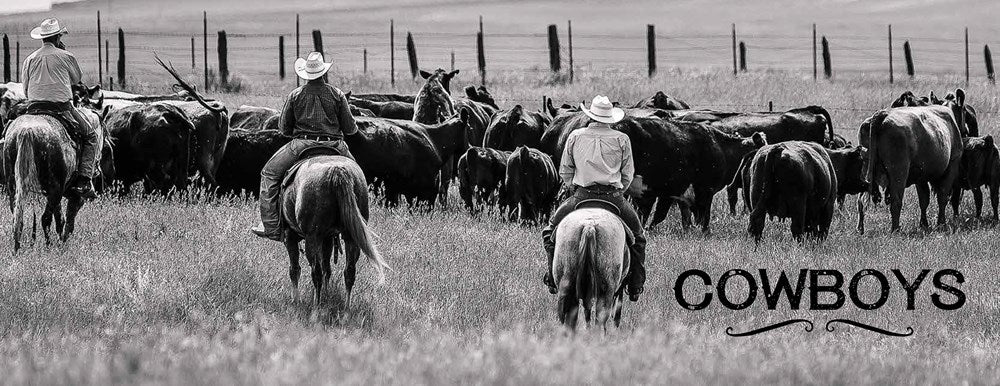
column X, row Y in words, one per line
column 924, row 195
column 73, row 206
column 328, row 248
column 353, row 253
column 568, row 304
column 294, row 270
column 50, row 204
column 314, row 252
column 618, row 309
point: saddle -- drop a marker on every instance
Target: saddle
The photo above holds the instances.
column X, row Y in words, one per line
column 608, row 206
column 289, row 176
column 50, row 110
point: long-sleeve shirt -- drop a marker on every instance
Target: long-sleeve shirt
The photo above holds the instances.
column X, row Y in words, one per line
column 48, row 74
column 597, row 154
column 317, row 109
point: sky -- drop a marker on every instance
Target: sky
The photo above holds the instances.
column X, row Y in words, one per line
column 21, row 6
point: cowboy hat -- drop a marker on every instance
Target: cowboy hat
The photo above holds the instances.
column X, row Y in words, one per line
column 312, row 66
column 49, row 27
column 602, row 110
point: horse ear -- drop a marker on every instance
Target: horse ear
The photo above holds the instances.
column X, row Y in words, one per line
column 425, row 74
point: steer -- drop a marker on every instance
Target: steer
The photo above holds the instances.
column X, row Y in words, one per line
column 516, row 127
column 532, row 184
column 481, row 173
column 151, row 144
column 254, row 118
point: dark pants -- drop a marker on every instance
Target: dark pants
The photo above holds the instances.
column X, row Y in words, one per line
column 275, row 169
column 79, row 129
column 637, row 251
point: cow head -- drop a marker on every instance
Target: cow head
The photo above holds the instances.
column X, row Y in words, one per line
column 441, row 76
column 908, row 99
column 980, row 158
column 956, row 102
column 851, row 166
column 666, row 102
column 433, row 103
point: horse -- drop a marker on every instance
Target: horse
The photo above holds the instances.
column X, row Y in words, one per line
column 590, row 265
column 322, row 197
column 39, row 158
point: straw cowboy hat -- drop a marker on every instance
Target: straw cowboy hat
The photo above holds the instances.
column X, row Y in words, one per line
column 49, row 27
column 312, row 66
column 602, row 110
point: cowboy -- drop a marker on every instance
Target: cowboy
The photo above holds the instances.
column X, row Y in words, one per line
column 49, row 74
column 597, row 163
column 316, row 115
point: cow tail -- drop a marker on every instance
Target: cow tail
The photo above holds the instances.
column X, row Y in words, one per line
column 876, row 126
column 764, row 184
column 465, row 180
column 586, row 274
column 355, row 224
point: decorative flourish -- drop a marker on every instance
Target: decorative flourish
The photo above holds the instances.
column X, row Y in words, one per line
column 808, row 328
column 829, row 327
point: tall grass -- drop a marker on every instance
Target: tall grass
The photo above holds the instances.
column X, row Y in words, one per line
column 151, row 290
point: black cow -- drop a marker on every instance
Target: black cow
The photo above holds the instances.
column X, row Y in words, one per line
column 795, row 180
column 385, row 97
column 516, row 127
column 672, row 156
column 483, row 96
column 662, row 101
column 407, row 156
column 254, row 118
column 812, row 124
column 980, row 167
column 390, row 109
column 208, row 141
column 532, row 184
column 246, row 154
column 553, row 112
column 151, row 144
column 968, row 112
column 481, row 174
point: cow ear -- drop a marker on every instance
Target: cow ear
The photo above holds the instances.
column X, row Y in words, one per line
column 425, row 74
column 960, row 97
column 988, row 140
column 105, row 112
column 348, row 94
column 452, row 74
column 470, row 91
column 759, row 139
column 100, row 103
column 463, row 114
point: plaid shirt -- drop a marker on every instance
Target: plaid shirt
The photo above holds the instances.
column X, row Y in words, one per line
column 317, row 109
column 597, row 154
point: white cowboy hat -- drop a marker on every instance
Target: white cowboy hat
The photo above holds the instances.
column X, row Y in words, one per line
column 602, row 110
column 312, row 66
column 49, row 27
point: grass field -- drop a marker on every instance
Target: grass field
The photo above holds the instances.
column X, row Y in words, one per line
column 155, row 291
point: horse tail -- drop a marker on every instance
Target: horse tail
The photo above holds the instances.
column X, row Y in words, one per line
column 354, row 223
column 586, row 275
column 25, row 178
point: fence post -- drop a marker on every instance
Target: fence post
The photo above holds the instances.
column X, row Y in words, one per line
column 192, row 53
column 204, row 45
column 966, row 56
column 908, row 55
column 815, row 69
column 107, row 58
column 481, row 58
column 411, row 54
column 100, row 71
column 318, row 45
column 281, row 57
column 223, row 49
column 364, row 60
column 453, row 60
column 297, row 49
column 392, row 53
column 6, row 59
column 17, row 59
column 988, row 57
column 890, row 55
column 743, row 57
column 770, row 106
column 651, row 49
column 554, row 62
column 111, row 83
column 569, row 41
column 827, row 65
column 121, row 58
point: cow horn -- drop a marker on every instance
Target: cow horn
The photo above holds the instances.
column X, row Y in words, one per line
column 187, row 87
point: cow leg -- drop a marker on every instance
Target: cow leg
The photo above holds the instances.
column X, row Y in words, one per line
column 894, row 197
column 732, row 194
column 447, row 171
column 755, row 225
column 294, row 270
column 977, row 195
column 924, row 195
column 797, row 211
column 703, row 208
column 956, row 201
column 994, row 200
column 644, row 206
column 943, row 189
column 73, row 206
column 661, row 209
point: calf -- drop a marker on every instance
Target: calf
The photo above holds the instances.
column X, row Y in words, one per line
column 481, row 173
column 980, row 167
column 532, row 183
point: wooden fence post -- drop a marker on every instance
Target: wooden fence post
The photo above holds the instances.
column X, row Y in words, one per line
column 452, row 60
column 6, row 59
column 966, row 56
column 481, row 58
column 281, row 57
column 743, row 57
column 204, row 45
column 827, row 65
column 890, row 55
column 988, row 57
column 121, row 58
column 908, row 55
column 107, row 58
column 17, row 59
column 815, row 69
column 192, row 53
column 411, row 54
column 223, row 50
column 364, row 60
column 318, row 42
column 770, row 106
column 651, row 49
column 734, row 48
column 100, row 71
column 392, row 53
column 554, row 61
column 569, row 41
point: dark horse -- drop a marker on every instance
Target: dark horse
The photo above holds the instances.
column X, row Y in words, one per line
column 38, row 160
column 323, row 197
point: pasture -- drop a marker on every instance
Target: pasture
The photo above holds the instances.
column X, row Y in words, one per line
column 177, row 291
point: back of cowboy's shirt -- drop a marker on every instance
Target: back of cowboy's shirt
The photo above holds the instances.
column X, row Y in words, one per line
column 319, row 109
column 48, row 73
column 597, row 154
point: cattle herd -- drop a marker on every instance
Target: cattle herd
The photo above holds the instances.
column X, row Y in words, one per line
column 789, row 164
